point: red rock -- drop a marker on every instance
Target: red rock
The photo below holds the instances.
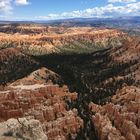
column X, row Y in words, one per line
column 45, row 104
column 123, row 118
column 14, row 113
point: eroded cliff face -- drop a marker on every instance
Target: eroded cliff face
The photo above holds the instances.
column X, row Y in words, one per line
column 61, row 40
column 39, row 110
column 119, row 119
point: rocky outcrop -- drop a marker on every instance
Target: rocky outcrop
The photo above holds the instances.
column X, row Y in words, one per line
column 40, row 76
column 42, row 108
column 25, row 128
column 119, row 119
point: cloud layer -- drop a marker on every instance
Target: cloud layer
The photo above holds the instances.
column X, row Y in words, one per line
column 109, row 10
column 129, row 7
column 6, row 6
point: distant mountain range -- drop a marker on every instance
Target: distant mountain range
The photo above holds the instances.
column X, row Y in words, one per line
column 129, row 24
column 77, row 20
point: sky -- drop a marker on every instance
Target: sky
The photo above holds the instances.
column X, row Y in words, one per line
column 63, row 9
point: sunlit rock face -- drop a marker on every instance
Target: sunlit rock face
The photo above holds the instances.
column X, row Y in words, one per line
column 28, row 128
column 119, row 119
column 42, row 40
column 41, row 107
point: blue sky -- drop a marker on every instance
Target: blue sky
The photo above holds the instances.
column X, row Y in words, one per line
column 61, row 9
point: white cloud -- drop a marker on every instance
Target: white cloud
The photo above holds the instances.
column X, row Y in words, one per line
column 109, row 10
column 121, row 1
column 5, row 7
column 21, row 2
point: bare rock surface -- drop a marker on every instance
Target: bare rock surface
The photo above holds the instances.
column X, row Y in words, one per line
column 119, row 119
column 38, row 111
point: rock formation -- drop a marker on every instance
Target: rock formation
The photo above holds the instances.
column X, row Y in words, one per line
column 44, row 106
column 25, row 128
column 59, row 40
column 119, row 119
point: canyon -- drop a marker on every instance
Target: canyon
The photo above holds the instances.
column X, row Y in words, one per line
column 40, row 40
column 69, row 83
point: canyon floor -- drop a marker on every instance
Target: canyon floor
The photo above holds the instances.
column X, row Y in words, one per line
column 69, row 83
